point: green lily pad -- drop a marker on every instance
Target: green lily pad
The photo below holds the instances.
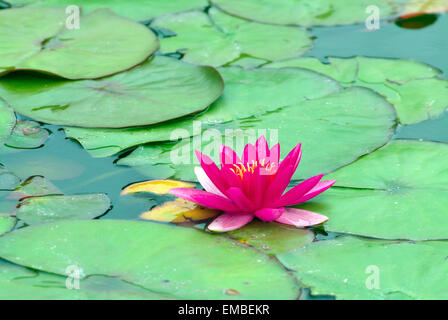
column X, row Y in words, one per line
column 8, row 180
column 34, row 186
column 325, row 127
column 27, row 135
column 20, row 283
column 179, row 262
column 6, row 223
column 414, row 88
column 396, row 192
column 7, row 121
column 273, row 238
column 133, row 9
column 160, row 89
column 305, row 12
column 228, row 38
column 247, row 93
column 50, row 208
column 92, row 51
column 347, row 268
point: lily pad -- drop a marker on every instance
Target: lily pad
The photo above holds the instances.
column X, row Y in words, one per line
column 396, row 192
column 355, row 268
column 180, row 262
column 179, row 211
column 133, row 9
column 49, row 208
column 325, row 127
column 414, row 88
column 247, row 93
column 272, row 238
column 305, row 12
column 20, row 283
column 160, row 89
column 228, row 38
column 156, row 186
column 34, row 186
column 6, row 223
column 7, row 121
column 8, row 180
column 92, row 51
column 27, row 135
column 415, row 7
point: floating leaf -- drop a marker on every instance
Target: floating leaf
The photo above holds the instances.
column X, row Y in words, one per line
column 44, row 209
column 7, row 121
column 247, row 93
column 20, row 283
column 228, row 38
column 305, row 12
column 415, row 7
column 179, row 211
column 396, row 192
column 132, row 9
column 355, row 268
column 325, row 127
column 160, row 89
column 6, row 223
column 156, row 186
column 91, row 51
column 272, row 237
column 34, row 186
column 412, row 87
column 179, row 262
column 27, row 135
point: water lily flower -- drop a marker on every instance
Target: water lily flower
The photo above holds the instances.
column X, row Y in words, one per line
column 254, row 186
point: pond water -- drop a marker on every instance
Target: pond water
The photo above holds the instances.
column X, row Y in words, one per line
column 73, row 170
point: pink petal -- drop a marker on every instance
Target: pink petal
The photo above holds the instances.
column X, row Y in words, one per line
column 318, row 189
column 212, row 171
column 239, row 198
column 293, row 196
column 228, row 156
column 205, row 199
column 206, row 183
column 249, row 154
column 230, row 221
column 274, row 154
column 301, row 218
column 268, row 214
column 262, row 148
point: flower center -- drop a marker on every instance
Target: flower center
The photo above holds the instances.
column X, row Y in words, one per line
column 240, row 168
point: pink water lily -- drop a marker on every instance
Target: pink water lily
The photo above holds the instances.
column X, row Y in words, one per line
column 254, row 186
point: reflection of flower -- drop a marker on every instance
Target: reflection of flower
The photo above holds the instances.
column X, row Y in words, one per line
column 253, row 186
